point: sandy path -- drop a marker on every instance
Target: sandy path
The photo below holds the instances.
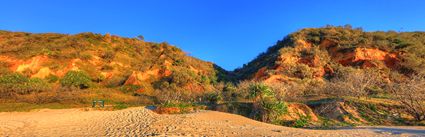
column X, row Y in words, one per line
column 142, row 122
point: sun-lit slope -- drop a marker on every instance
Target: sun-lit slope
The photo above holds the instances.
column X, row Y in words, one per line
column 109, row 60
column 316, row 53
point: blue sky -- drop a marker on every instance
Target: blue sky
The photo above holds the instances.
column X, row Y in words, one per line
column 226, row 32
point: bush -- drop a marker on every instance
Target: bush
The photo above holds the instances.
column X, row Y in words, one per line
column 266, row 107
column 213, row 98
column 411, row 95
column 37, row 85
column 76, row 79
column 13, row 78
column 120, row 105
column 354, row 82
column 52, row 78
column 16, row 83
column 303, row 121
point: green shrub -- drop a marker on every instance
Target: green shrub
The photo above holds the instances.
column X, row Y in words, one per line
column 178, row 62
column 16, row 83
column 177, row 104
column 266, row 107
column 15, row 78
column 214, row 98
column 38, row 85
column 76, row 79
column 52, row 78
column 303, row 121
column 120, row 105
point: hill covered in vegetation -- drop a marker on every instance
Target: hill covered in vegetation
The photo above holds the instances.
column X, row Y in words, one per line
column 36, row 66
column 337, row 72
column 320, row 52
column 319, row 77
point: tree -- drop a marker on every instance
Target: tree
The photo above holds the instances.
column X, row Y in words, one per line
column 411, row 95
column 76, row 79
column 140, row 37
column 266, row 107
column 354, row 82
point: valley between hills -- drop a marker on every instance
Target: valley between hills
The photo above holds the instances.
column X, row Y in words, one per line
column 329, row 81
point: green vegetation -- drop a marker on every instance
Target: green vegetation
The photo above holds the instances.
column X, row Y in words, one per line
column 75, row 69
column 303, row 121
column 120, row 105
column 340, row 62
column 409, row 46
column 366, row 78
column 16, row 83
column 76, row 79
column 178, row 107
column 266, row 107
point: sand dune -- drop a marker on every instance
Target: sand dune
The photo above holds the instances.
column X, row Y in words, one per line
column 143, row 122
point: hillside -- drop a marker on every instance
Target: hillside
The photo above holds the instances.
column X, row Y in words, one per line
column 318, row 53
column 42, row 63
column 338, row 74
column 316, row 77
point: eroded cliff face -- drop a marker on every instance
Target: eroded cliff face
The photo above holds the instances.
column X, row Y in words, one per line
column 137, row 77
column 110, row 61
column 315, row 60
column 364, row 57
column 36, row 67
column 43, row 66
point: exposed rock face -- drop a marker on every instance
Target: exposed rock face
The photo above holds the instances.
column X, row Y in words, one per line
column 136, row 77
column 36, row 66
column 366, row 56
column 18, row 65
column 40, row 67
column 110, row 61
column 317, row 60
column 133, row 79
column 42, row 73
column 33, row 64
column 286, row 61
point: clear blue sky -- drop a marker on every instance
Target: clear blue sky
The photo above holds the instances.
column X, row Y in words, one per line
column 229, row 33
